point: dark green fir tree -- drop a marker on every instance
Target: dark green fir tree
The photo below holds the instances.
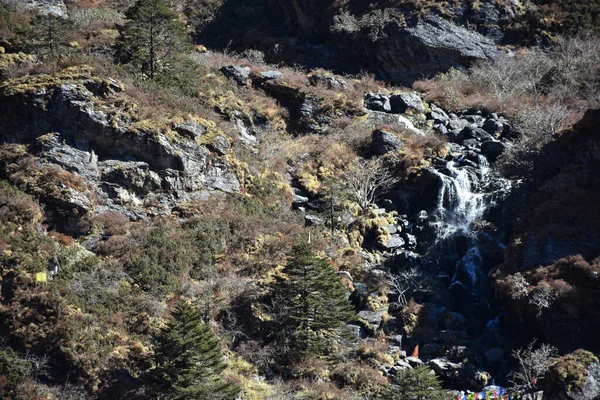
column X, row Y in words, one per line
column 188, row 359
column 152, row 36
column 310, row 306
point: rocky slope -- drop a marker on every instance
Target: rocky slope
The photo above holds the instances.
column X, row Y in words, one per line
column 73, row 123
column 197, row 184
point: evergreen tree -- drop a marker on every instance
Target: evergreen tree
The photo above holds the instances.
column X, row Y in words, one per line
column 416, row 384
column 151, row 36
column 310, row 305
column 189, row 360
column 48, row 35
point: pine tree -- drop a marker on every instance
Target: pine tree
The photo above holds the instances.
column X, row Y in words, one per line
column 151, row 36
column 311, row 305
column 48, row 35
column 416, row 384
column 189, row 360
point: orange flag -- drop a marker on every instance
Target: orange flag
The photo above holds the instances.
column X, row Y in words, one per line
column 415, row 352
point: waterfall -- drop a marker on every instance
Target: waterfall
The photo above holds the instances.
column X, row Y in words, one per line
column 460, row 203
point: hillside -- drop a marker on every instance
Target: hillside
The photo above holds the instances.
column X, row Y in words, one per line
column 298, row 200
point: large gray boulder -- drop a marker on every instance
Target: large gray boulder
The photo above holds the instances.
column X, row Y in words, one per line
column 384, row 142
column 377, row 102
column 239, row 74
column 403, row 102
column 424, row 48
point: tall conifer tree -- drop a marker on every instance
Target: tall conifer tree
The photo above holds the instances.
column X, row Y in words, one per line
column 312, row 305
column 189, row 360
column 151, row 36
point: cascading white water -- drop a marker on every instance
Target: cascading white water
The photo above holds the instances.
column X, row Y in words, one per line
column 460, row 203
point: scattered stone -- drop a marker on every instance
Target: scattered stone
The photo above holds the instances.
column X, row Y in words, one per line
column 329, row 81
column 384, row 142
column 239, row 74
column 438, row 114
column 492, row 149
column 372, row 319
column 189, row 129
column 377, row 102
column 493, row 127
column 270, row 75
column 402, row 102
column 394, row 242
column 313, row 220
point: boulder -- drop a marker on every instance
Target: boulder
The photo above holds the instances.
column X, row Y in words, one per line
column 492, row 149
column 400, row 366
column 384, row 142
column 494, row 127
column 329, row 81
column 270, row 75
column 472, row 132
column 438, row 115
column 423, row 47
column 573, row 376
column 453, row 321
column 393, row 242
column 313, row 220
column 372, row 319
column 189, row 129
column 413, row 361
column 402, row 102
column 377, row 102
column 443, row 367
column 310, row 116
column 457, row 124
column 239, row 74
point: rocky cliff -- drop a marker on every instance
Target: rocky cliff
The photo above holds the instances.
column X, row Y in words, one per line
column 555, row 244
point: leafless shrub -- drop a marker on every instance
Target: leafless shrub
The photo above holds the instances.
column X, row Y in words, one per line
column 542, row 297
column 576, row 69
column 368, row 181
column 533, row 364
column 37, row 366
column 405, row 283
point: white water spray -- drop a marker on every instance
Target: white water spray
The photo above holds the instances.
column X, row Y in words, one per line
column 460, row 204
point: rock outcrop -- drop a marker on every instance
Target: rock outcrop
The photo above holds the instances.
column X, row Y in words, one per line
column 69, row 121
